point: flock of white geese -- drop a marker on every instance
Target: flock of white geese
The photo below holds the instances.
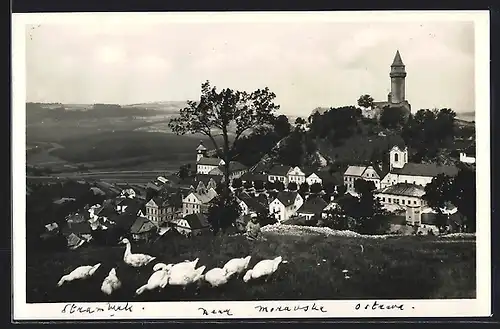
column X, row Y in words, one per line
column 180, row 274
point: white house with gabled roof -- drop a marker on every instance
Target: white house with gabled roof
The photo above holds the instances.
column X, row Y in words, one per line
column 313, row 178
column 368, row 173
column 296, row 175
column 285, row 205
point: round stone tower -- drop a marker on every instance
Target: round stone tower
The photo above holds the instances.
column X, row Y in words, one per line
column 398, row 75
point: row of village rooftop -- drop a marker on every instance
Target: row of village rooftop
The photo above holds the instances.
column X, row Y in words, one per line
column 182, row 204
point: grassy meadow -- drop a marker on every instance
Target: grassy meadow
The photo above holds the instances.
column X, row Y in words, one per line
column 396, row 268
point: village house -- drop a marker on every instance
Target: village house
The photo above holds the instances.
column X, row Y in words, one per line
column 143, row 229
column 164, row 208
column 253, row 177
column 369, row 173
column 279, row 173
column 313, row 207
column 197, row 203
column 122, row 223
column 402, row 171
column 313, row 178
column 193, row 224
column 106, row 211
column 401, row 194
column 122, row 203
column 296, row 175
column 252, row 204
column 285, row 205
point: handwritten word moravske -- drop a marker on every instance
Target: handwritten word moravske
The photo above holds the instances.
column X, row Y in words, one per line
column 305, row 308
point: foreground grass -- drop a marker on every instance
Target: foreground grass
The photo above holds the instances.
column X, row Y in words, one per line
column 399, row 268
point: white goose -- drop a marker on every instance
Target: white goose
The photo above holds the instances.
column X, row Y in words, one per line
column 155, row 280
column 265, row 267
column 217, row 277
column 82, row 272
column 111, row 283
column 237, row 265
column 135, row 260
column 182, row 276
column 183, row 265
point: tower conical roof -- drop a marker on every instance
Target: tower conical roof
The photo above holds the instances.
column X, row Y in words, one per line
column 397, row 60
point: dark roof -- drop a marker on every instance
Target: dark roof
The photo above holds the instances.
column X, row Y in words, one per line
column 236, row 166
column 197, row 221
column 254, row 203
column 287, row 197
column 107, row 210
column 397, row 60
column 125, row 220
column 126, row 202
column 252, row 176
column 156, row 185
column 313, row 205
column 404, row 189
column 209, row 161
column 206, row 178
column 425, row 169
column 279, row 170
column 78, row 228
column 326, row 177
column 134, row 208
column 142, row 225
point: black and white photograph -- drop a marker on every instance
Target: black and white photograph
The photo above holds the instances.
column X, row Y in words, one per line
column 251, row 165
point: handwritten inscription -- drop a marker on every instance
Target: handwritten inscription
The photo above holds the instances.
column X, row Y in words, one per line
column 379, row 306
column 112, row 308
column 215, row 312
column 305, row 308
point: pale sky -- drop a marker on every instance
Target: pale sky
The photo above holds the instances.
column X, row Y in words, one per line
column 307, row 65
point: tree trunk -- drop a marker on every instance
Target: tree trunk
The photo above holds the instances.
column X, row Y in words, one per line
column 226, row 159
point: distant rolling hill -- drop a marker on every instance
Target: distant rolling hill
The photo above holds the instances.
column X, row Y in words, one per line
column 165, row 106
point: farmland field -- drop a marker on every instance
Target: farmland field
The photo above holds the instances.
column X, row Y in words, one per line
column 396, row 268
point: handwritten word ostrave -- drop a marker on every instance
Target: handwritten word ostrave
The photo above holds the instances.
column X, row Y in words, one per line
column 305, row 308
column 72, row 308
column 379, row 306
column 215, row 312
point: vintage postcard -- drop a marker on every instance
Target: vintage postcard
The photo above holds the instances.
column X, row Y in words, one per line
column 251, row 165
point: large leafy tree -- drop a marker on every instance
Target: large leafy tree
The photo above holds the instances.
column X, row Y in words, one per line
column 464, row 196
column 218, row 111
column 223, row 212
column 365, row 101
column 437, row 193
column 392, row 117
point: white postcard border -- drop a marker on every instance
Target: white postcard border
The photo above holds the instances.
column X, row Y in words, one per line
column 481, row 306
